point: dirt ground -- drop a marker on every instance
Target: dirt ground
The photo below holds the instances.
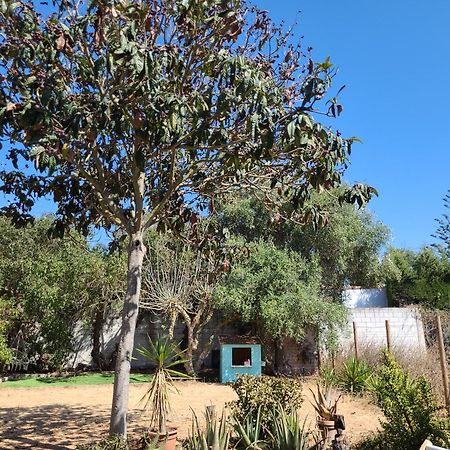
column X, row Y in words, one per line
column 59, row 418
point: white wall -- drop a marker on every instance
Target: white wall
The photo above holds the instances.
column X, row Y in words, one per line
column 365, row 298
column 406, row 328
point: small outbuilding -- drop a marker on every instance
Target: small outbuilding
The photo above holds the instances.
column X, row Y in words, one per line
column 239, row 355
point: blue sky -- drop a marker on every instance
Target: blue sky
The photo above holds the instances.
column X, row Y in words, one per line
column 394, row 58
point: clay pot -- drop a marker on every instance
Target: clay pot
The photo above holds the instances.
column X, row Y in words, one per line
column 326, row 428
column 165, row 441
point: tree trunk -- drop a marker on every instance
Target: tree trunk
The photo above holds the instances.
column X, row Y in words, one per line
column 280, row 363
column 136, row 253
column 203, row 354
column 190, row 348
column 97, row 356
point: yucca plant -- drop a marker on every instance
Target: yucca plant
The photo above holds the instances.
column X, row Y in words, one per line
column 249, row 431
column 288, row 433
column 326, row 401
column 355, row 376
column 328, row 377
column 216, row 436
column 164, row 355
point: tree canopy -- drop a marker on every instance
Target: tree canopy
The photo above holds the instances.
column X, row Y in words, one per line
column 278, row 292
column 48, row 286
column 348, row 248
column 418, row 278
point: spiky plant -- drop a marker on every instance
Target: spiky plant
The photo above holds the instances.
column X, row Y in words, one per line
column 288, row 433
column 164, row 355
column 249, row 431
column 216, row 436
column 325, row 402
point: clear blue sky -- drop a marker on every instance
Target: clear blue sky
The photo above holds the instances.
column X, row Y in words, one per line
column 394, row 58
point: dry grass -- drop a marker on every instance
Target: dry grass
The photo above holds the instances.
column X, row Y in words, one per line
column 416, row 363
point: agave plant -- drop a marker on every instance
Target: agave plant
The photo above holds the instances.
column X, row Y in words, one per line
column 249, row 431
column 164, row 355
column 216, row 436
column 288, row 433
column 326, row 401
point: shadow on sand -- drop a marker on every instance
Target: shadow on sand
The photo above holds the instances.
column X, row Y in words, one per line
column 54, row 427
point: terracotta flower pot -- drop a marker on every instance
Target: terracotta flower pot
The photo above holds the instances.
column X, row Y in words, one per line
column 326, row 428
column 165, row 441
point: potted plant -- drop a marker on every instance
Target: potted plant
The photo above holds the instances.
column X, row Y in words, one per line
column 165, row 356
column 325, row 403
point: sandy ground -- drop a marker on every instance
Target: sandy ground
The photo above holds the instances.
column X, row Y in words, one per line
column 59, row 418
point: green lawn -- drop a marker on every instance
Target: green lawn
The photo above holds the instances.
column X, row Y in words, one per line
column 79, row 380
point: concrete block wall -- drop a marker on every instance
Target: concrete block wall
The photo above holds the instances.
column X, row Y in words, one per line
column 406, row 328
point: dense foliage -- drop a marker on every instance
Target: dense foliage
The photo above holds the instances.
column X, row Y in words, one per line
column 411, row 411
column 347, row 249
column 420, row 278
column 278, row 292
column 48, row 287
column 264, row 394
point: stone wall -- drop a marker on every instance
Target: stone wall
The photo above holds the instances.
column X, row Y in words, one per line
column 291, row 357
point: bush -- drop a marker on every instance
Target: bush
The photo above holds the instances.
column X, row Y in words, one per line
column 411, row 411
column 117, row 443
column 265, row 393
column 110, row 443
column 354, row 376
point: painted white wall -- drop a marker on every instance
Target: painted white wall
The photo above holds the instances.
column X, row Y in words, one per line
column 365, row 298
column 406, row 328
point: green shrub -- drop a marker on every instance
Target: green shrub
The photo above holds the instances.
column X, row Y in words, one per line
column 411, row 411
column 354, row 376
column 110, row 443
column 265, row 393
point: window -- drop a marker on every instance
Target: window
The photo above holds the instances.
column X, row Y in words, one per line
column 241, row 356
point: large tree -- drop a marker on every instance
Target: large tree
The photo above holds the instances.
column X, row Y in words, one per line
column 141, row 113
column 348, row 248
column 278, row 293
column 49, row 286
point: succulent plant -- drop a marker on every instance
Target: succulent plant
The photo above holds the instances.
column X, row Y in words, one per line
column 325, row 402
